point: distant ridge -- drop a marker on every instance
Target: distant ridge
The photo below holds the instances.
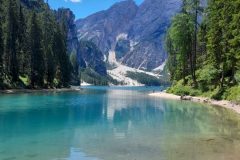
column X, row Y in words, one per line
column 135, row 33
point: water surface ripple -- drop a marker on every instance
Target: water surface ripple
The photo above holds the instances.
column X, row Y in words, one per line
column 102, row 123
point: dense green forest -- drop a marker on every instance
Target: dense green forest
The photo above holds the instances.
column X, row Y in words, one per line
column 203, row 43
column 147, row 79
column 33, row 51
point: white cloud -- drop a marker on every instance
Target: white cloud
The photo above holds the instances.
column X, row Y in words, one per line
column 74, row 1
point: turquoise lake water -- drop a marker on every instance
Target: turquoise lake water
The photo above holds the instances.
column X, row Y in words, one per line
column 114, row 123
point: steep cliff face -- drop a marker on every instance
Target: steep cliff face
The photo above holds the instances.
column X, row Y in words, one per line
column 66, row 15
column 93, row 57
column 147, row 33
column 135, row 33
column 102, row 28
column 88, row 54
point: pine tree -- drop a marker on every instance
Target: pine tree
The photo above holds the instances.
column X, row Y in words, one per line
column 180, row 35
column 23, row 47
column 74, row 62
column 1, row 47
column 183, row 41
column 48, row 22
column 60, row 51
column 196, row 9
column 234, row 42
column 50, row 66
column 27, row 49
column 214, row 36
column 11, row 41
column 217, row 62
column 37, row 59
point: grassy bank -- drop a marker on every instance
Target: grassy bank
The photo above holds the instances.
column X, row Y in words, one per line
column 214, row 92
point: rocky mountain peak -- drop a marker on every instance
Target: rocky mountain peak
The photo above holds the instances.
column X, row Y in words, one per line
column 103, row 27
column 124, row 4
column 135, row 33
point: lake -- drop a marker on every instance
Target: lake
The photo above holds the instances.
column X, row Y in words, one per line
column 114, row 123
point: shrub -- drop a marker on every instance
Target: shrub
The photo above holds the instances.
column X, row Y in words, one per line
column 233, row 94
column 206, row 76
column 181, row 90
column 217, row 93
column 25, row 80
column 237, row 77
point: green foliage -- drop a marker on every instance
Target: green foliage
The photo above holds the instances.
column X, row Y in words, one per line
column 90, row 76
column 147, row 79
column 217, row 93
column 37, row 59
column 1, row 49
column 25, row 80
column 217, row 68
column 206, row 77
column 182, row 89
column 50, row 67
column 181, row 41
column 32, row 44
column 73, row 60
column 180, row 35
column 11, row 40
column 60, row 49
column 237, row 76
column 233, row 94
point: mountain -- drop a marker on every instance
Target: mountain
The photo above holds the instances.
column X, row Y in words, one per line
column 86, row 53
column 66, row 15
column 103, row 27
column 93, row 57
column 135, row 34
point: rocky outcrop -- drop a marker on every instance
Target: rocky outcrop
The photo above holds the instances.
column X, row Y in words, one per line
column 93, row 57
column 148, row 31
column 102, row 28
column 135, row 33
column 88, row 54
column 67, row 16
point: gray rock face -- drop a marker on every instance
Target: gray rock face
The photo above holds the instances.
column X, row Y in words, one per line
column 148, row 32
column 65, row 14
column 93, row 57
column 135, row 33
column 88, row 54
column 103, row 27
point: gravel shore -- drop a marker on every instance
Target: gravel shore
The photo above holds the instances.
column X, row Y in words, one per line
column 222, row 103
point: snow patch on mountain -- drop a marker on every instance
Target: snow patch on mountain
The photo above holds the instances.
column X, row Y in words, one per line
column 120, row 71
column 161, row 67
column 122, row 36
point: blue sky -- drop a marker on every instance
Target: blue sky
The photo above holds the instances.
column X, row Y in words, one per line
column 83, row 8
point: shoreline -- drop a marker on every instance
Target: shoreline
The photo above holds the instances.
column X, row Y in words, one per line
column 42, row 90
column 16, row 91
column 203, row 100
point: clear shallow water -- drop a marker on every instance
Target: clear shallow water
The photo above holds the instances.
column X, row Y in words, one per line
column 102, row 123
